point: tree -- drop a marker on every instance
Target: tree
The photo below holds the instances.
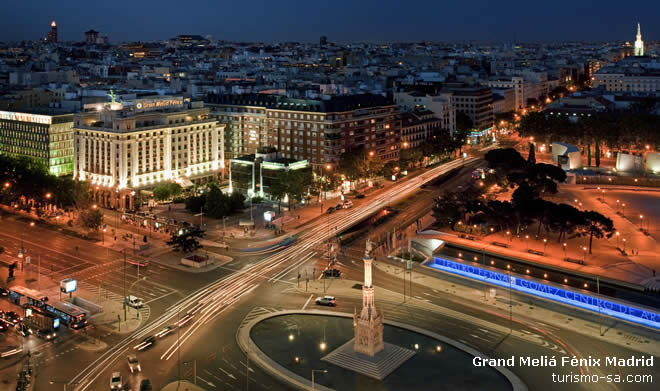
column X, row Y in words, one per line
column 161, row 192
column 463, row 122
column 279, row 188
column 596, row 225
column 410, row 157
column 352, row 163
column 91, row 218
column 195, row 203
column 187, row 241
column 389, row 169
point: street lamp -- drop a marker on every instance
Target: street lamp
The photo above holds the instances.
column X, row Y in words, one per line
column 617, row 239
column 641, row 217
column 564, row 249
column 624, row 244
column 545, row 243
column 585, row 253
column 319, row 371
column 623, row 206
column 527, row 241
column 508, row 235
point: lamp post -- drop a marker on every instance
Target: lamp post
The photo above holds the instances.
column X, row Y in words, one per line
column 527, row 241
column 564, row 246
column 617, row 239
column 319, row 371
column 624, row 244
column 508, row 235
column 545, row 243
column 641, row 219
column 623, row 209
column 584, row 249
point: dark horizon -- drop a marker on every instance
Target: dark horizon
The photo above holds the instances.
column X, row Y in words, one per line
column 343, row 21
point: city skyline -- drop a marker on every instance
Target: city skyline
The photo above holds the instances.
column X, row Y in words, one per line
column 389, row 22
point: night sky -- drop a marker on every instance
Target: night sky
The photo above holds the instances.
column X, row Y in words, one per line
column 340, row 20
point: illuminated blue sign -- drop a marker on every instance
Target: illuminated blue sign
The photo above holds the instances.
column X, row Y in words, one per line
column 56, row 323
column 550, row 292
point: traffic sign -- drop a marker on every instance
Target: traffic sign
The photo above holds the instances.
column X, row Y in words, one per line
column 27, row 259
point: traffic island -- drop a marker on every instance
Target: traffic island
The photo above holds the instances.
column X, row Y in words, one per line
column 292, row 345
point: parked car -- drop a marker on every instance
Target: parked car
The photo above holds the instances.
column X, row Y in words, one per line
column 11, row 316
column 115, row 381
column 360, row 196
column 348, row 204
column 134, row 301
column 330, row 210
column 339, row 205
column 145, row 385
column 4, row 291
column 331, row 273
column 133, row 363
column 48, row 334
column 326, row 300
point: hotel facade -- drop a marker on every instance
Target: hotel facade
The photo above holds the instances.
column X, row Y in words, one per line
column 123, row 147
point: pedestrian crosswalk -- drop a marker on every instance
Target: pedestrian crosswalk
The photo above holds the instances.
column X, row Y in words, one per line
column 257, row 312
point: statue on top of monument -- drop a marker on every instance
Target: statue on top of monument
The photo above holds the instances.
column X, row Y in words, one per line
column 368, row 248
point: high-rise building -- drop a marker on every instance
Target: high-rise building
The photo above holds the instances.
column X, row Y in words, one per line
column 638, row 50
column 476, row 103
column 120, row 147
column 52, row 34
column 318, row 131
column 91, row 37
column 323, row 40
column 45, row 135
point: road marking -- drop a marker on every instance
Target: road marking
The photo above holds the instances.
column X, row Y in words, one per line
column 227, row 373
column 160, row 297
column 307, row 302
column 245, row 365
column 207, row 382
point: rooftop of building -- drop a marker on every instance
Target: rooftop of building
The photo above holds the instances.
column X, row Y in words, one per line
column 335, row 104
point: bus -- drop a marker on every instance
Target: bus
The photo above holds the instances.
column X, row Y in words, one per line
column 70, row 314
column 39, row 319
column 23, row 296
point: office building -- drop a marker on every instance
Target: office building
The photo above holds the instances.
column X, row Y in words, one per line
column 45, row 135
column 91, row 37
column 439, row 102
column 476, row 103
column 254, row 174
column 120, row 147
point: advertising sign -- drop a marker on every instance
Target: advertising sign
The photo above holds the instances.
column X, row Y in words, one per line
column 68, row 285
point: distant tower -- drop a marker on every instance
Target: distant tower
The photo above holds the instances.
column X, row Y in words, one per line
column 368, row 324
column 638, row 50
column 323, row 41
column 91, row 36
column 52, row 34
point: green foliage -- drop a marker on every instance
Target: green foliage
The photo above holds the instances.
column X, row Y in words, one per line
column 410, row 157
column 29, row 178
column 90, row 218
column 186, row 242
column 463, row 122
column 214, row 203
column 167, row 190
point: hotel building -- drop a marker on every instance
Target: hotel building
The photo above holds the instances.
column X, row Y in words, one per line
column 45, row 135
column 122, row 147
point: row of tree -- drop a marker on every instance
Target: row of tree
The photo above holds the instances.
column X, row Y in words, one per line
column 166, row 191
column 29, row 179
column 617, row 131
column 296, row 184
column 526, row 207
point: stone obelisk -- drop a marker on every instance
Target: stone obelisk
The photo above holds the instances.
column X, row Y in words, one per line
column 368, row 324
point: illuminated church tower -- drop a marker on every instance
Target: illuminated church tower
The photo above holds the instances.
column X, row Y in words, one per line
column 638, row 51
column 52, row 34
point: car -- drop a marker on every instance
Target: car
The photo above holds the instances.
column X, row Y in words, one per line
column 339, row 206
column 11, row 316
column 360, row 196
column 146, row 343
column 348, row 204
column 4, row 291
column 47, row 334
column 133, row 363
column 186, row 318
column 164, row 332
column 134, row 301
column 145, row 385
column 326, row 300
column 115, row 381
column 331, row 273
column 330, row 210
column 3, row 326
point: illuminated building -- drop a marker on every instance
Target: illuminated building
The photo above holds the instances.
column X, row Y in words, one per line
column 52, row 34
column 253, row 175
column 45, row 135
column 120, row 147
column 318, row 131
column 638, row 50
column 91, row 37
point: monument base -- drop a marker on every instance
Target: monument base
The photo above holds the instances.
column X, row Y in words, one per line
column 377, row 367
